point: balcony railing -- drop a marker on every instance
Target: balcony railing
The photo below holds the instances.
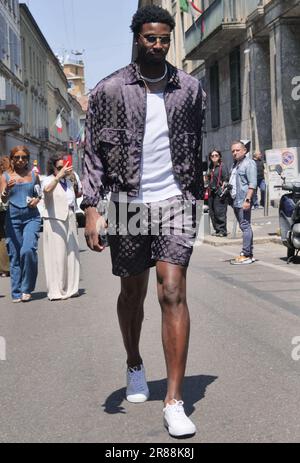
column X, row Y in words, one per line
column 220, row 18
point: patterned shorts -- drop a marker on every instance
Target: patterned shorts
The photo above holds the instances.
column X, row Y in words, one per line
column 140, row 235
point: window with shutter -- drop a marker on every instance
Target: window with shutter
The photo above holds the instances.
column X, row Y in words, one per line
column 3, row 37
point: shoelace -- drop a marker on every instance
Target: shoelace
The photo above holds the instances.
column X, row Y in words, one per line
column 177, row 407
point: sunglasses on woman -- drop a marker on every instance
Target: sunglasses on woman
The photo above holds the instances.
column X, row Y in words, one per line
column 21, row 158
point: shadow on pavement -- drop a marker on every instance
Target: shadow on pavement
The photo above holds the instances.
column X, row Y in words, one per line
column 43, row 295
column 194, row 388
column 38, row 296
column 295, row 261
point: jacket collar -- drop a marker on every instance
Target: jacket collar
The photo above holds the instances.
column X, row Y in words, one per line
column 133, row 75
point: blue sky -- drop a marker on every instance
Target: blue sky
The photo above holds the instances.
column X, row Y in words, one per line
column 100, row 27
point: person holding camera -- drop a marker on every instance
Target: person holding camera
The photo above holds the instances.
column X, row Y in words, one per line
column 61, row 248
column 21, row 189
column 244, row 181
column 218, row 176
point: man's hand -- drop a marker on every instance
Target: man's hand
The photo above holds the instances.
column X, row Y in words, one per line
column 246, row 205
column 94, row 222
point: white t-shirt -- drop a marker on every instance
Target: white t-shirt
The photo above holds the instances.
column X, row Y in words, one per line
column 157, row 178
column 232, row 182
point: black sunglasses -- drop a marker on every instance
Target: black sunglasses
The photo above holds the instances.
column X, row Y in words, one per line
column 59, row 168
column 22, row 158
column 164, row 39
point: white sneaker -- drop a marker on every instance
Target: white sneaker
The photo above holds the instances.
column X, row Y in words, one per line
column 137, row 389
column 176, row 421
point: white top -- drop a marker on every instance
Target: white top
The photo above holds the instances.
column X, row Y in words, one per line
column 69, row 192
column 157, row 178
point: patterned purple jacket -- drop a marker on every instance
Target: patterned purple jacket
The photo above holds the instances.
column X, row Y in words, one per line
column 115, row 128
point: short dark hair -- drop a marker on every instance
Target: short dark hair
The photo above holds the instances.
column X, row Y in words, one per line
column 53, row 160
column 151, row 14
column 239, row 142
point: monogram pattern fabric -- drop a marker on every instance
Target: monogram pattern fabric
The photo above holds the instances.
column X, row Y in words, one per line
column 167, row 232
column 115, row 128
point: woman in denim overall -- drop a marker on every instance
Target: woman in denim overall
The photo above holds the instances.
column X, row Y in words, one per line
column 21, row 188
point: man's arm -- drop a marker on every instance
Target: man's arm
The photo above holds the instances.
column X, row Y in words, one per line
column 93, row 182
column 93, row 179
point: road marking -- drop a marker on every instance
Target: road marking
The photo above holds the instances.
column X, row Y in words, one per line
column 2, row 349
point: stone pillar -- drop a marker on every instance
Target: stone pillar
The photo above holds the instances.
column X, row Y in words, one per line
column 260, row 94
column 285, row 66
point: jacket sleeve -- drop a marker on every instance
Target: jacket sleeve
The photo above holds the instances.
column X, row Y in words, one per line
column 252, row 174
column 201, row 99
column 93, row 182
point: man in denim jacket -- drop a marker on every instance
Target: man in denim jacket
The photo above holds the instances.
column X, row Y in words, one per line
column 244, row 182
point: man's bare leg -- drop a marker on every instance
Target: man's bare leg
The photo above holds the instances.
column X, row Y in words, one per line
column 171, row 285
column 131, row 314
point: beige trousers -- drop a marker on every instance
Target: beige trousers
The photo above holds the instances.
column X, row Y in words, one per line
column 4, row 259
column 61, row 257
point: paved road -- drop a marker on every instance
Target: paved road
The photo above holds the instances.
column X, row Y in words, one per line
column 63, row 380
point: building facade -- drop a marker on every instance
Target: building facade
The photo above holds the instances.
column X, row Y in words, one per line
column 34, row 91
column 251, row 51
column 11, row 85
column 74, row 71
column 247, row 55
column 75, row 125
column 45, row 94
column 34, row 112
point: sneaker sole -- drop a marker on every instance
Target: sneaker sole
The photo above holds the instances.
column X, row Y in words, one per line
column 137, row 398
column 242, row 263
column 178, row 436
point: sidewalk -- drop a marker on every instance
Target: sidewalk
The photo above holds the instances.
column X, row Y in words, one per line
column 265, row 229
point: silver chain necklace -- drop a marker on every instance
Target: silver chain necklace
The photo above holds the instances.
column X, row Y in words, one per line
column 158, row 79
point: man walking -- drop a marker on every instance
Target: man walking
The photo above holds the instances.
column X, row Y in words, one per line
column 143, row 141
column 261, row 184
column 243, row 180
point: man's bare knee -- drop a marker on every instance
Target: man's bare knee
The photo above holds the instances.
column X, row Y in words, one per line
column 171, row 294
